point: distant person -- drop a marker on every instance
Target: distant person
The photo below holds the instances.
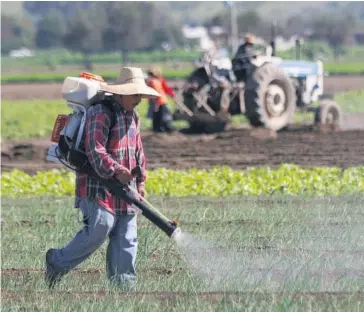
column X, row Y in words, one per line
column 247, row 48
column 158, row 108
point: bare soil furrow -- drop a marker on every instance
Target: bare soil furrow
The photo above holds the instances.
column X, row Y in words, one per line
column 235, row 148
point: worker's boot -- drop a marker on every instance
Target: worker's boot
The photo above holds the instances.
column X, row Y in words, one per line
column 52, row 277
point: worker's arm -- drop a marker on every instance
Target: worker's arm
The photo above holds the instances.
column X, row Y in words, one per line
column 167, row 89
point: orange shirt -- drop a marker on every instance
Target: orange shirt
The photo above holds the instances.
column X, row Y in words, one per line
column 160, row 85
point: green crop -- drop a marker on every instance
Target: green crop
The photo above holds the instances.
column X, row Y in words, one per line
column 218, row 181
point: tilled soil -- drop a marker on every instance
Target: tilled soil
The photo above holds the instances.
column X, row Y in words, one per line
column 237, row 148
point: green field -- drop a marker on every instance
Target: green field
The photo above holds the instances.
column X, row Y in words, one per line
column 49, row 77
column 237, row 254
column 47, row 65
column 64, row 57
column 27, row 119
column 44, row 76
column 344, row 68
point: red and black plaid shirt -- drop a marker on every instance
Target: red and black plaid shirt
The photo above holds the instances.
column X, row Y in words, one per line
column 109, row 152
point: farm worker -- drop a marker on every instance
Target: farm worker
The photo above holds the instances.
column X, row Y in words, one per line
column 162, row 117
column 112, row 154
column 247, row 48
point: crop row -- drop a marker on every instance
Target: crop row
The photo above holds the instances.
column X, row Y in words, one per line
column 218, row 181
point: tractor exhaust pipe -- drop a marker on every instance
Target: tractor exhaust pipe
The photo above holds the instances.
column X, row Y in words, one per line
column 298, row 49
column 123, row 191
column 273, row 37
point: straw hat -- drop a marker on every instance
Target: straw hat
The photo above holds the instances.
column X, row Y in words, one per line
column 131, row 81
column 156, row 71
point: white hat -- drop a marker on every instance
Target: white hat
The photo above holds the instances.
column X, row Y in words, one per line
column 131, row 81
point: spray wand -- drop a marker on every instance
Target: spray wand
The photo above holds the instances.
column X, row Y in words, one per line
column 148, row 210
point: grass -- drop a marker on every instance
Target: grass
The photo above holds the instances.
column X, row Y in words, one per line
column 268, row 253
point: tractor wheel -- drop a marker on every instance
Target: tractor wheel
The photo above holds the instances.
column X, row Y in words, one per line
column 328, row 115
column 270, row 98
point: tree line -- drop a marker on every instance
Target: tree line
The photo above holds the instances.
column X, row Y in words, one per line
column 334, row 29
column 93, row 27
column 90, row 27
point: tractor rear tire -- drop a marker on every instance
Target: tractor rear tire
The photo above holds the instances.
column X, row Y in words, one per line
column 270, row 98
column 328, row 115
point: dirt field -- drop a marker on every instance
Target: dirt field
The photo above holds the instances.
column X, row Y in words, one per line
column 238, row 148
column 332, row 85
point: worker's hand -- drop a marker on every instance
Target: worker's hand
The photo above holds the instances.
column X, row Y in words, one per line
column 141, row 189
column 123, row 175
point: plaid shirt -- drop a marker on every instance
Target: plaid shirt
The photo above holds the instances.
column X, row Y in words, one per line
column 108, row 153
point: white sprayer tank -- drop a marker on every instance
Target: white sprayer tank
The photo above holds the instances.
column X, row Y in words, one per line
column 80, row 90
column 80, row 93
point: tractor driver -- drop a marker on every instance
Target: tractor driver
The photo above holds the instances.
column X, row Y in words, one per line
column 247, row 48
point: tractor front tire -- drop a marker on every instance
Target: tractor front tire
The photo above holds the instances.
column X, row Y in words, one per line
column 328, row 116
column 270, row 98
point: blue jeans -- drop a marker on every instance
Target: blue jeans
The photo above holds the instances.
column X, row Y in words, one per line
column 98, row 225
column 151, row 106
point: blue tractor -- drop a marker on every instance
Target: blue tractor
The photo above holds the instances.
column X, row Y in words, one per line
column 266, row 88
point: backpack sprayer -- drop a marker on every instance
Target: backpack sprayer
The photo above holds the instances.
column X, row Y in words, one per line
column 80, row 93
